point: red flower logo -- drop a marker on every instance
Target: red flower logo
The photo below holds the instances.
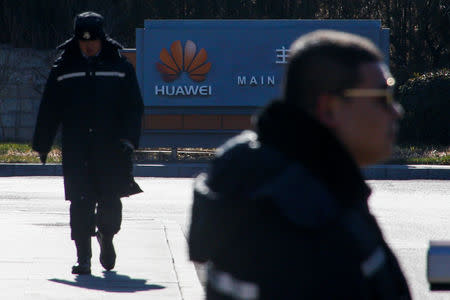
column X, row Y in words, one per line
column 176, row 62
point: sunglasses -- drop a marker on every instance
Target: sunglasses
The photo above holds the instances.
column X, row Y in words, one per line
column 383, row 96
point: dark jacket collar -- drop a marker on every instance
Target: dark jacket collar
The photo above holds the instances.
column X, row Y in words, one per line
column 71, row 50
column 301, row 138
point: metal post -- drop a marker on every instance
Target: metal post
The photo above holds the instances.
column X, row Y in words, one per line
column 174, row 154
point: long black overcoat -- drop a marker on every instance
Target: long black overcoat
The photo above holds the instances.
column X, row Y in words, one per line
column 98, row 104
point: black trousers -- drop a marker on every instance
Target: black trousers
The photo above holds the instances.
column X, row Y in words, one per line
column 102, row 212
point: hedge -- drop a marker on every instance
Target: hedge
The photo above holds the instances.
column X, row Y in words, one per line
column 426, row 100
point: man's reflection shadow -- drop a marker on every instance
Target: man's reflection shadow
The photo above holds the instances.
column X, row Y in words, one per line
column 110, row 282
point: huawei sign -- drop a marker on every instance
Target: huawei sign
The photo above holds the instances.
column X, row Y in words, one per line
column 177, row 61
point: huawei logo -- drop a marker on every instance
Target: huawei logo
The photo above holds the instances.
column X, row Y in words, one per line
column 178, row 61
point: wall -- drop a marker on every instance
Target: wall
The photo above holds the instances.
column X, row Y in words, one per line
column 25, row 72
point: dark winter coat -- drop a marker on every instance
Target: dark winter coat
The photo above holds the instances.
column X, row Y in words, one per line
column 98, row 103
column 283, row 214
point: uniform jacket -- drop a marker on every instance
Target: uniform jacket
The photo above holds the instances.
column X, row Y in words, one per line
column 97, row 101
column 283, row 212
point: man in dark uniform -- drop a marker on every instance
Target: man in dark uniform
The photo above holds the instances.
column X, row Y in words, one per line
column 282, row 212
column 93, row 93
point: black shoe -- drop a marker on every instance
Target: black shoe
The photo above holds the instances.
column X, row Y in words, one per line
column 81, row 269
column 107, row 252
column 84, row 254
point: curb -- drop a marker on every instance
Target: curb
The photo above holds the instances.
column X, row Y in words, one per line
column 376, row 172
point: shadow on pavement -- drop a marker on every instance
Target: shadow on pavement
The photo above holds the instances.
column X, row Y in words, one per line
column 110, row 282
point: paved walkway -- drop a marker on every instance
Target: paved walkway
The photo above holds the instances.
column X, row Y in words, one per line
column 36, row 253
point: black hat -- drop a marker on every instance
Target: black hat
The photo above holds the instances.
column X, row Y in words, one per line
column 89, row 26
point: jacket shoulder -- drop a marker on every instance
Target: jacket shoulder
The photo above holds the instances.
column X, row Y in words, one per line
column 245, row 150
column 255, row 173
column 300, row 197
column 57, row 68
column 241, row 164
column 58, row 63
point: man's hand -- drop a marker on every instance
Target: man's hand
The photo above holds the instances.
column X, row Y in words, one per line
column 43, row 157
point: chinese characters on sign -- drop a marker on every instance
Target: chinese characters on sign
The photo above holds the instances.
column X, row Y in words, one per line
column 282, row 55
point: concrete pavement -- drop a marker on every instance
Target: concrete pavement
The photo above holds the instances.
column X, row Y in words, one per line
column 36, row 253
column 411, row 213
column 185, row 169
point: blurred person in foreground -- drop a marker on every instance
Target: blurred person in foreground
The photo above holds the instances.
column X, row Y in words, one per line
column 282, row 212
column 93, row 93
